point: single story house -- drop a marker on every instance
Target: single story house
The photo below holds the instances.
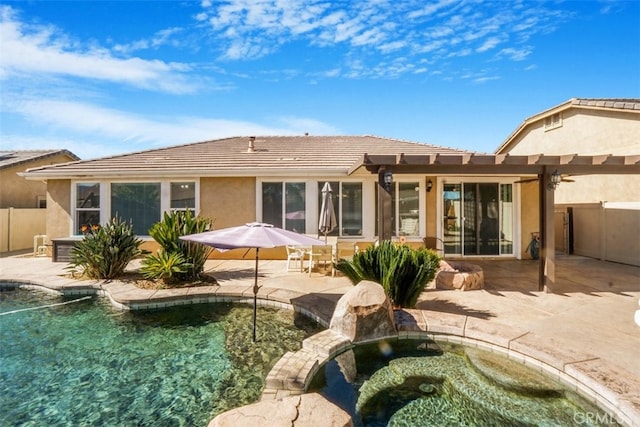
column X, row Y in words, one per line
column 383, row 189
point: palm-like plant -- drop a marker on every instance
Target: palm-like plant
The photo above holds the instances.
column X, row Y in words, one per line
column 189, row 264
column 104, row 252
column 403, row 272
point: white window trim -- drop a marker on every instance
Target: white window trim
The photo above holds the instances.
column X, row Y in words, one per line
column 311, row 196
column 422, row 203
column 105, row 195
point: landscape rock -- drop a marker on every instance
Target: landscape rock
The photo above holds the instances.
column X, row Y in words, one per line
column 459, row 275
column 364, row 313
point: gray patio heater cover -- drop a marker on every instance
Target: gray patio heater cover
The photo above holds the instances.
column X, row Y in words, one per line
column 327, row 222
column 251, row 235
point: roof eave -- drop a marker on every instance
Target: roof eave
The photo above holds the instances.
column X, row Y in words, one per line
column 205, row 173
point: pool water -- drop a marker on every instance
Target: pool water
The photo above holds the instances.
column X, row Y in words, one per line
column 423, row 383
column 85, row 363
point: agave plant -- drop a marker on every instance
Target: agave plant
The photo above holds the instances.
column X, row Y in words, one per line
column 402, row 271
column 166, row 266
column 104, row 252
column 177, row 259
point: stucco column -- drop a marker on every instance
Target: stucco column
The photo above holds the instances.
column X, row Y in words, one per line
column 547, row 266
column 385, row 208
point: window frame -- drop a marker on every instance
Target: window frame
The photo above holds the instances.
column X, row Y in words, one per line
column 105, row 197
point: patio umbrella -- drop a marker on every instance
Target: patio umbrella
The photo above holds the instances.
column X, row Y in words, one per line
column 251, row 235
column 327, row 221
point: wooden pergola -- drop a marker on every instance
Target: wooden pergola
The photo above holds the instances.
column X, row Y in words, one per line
column 538, row 165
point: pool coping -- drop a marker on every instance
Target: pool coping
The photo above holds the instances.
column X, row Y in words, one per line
column 596, row 380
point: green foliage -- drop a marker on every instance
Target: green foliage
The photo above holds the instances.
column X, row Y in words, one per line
column 403, row 272
column 192, row 255
column 104, row 252
column 166, row 266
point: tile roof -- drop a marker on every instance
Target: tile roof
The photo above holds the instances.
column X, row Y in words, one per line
column 616, row 103
column 12, row 158
column 288, row 155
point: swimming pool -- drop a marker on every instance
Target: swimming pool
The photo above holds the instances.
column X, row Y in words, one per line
column 86, row 363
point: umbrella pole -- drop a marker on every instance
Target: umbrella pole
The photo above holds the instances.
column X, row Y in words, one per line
column 255, row 297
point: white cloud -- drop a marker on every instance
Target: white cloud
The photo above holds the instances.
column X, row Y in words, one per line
column 160, row 38
column 114, row 131
column 42, row 50
column 515, row 54
column 489, row 44
column 252, row 29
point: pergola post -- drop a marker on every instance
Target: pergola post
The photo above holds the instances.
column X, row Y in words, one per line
column 547, row 266
column 385, row 208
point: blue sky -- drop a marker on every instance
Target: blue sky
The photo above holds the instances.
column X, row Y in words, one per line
column 109, row 77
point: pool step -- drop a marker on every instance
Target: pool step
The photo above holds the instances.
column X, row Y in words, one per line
column 512, row 375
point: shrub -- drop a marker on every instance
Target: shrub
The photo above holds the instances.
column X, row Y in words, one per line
column 403, row 272
column 104, row 252
column 181, row 260
column 167, row 266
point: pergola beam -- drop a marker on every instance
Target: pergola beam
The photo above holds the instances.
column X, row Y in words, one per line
column 539, row 165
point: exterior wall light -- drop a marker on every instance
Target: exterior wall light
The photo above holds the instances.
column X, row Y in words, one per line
column 388, row 179
column 429, row 186
column 555, row 180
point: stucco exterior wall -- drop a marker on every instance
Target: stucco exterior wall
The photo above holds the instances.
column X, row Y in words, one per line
column 431, row 212
column 18, row 192
column 229, row 201
column 530, row 215
column 587, row 132
column 58, row 208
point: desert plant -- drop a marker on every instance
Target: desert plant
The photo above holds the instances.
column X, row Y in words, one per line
column 166, row 266
column 402, row 271
column 104, row 252
column 167, row 233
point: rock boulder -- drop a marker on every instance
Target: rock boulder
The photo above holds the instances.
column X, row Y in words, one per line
column 364, row 313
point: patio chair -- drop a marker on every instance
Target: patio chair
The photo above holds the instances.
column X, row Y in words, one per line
column 321, row 253
column 294, row 255
column 345, row 250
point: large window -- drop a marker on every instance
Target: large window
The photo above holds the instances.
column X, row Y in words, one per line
column 141, row 203
column 478, row 218
column 138, row 203
column 283, row 205
column 347, row 203
column 87, row 206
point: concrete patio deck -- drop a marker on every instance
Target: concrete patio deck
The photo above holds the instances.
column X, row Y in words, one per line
column 584, row 332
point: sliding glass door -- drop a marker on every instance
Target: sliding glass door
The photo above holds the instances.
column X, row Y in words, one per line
column 477, row 218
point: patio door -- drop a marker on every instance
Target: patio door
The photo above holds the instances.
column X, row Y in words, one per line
column 477, row 218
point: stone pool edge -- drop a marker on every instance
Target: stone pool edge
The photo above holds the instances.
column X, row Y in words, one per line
column 600, row 382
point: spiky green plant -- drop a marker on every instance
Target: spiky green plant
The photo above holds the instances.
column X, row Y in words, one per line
column 104, row 252
column 166, row 266
column 167, row 233
column 402, row 271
